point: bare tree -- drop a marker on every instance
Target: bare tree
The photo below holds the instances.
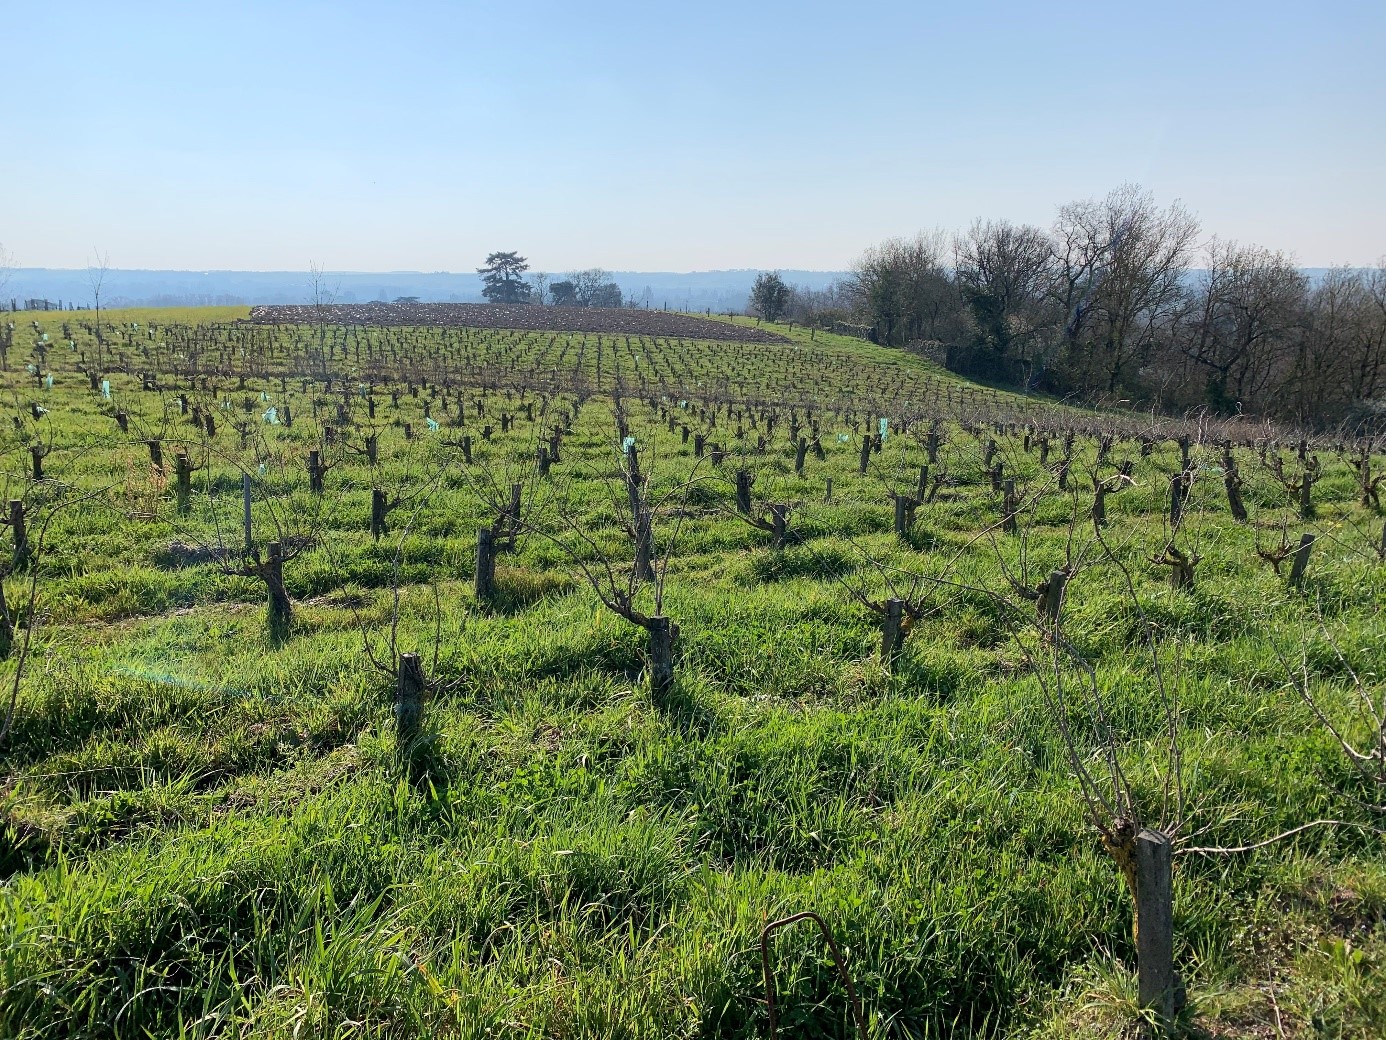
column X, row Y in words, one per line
column 904, row 286
column 1242, row 321
column 1365, row 371
column 1004, row 271
column 96, row 277
column 6, row 267
column 540, row 281
column 1120, row 269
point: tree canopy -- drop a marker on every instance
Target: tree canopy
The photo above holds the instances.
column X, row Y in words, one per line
column 770, row 295
column 591, row 288
column 504, row 280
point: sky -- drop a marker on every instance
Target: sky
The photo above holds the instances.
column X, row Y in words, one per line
column 670, row 136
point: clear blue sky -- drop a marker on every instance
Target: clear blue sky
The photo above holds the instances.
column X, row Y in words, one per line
column 654, row 136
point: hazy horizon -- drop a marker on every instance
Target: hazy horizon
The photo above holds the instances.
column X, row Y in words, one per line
column 727, row 137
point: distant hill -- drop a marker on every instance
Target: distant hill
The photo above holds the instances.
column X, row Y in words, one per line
column 686, row 291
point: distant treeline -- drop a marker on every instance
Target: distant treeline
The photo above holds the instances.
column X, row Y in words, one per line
column 1121, row 299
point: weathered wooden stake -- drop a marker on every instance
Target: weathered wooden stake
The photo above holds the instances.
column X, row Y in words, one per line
column 280, row 608
column 485, row 579
column 892, row 635
column 743, row 491
column 22, row 553
column 779, row 525
column 1233, row 482
column 1052, row 599
column 904, row 515
column 409, row 691
column 1156, row 982
column 662, row 634
column 1306, row 543
column 380, row 509
column 1176, row 499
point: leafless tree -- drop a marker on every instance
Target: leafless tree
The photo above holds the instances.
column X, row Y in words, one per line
column 904, row 286
column 322, row 298
column 6, row 267
column 1120, row 267
column 1242, row 323
column 1004, row 272
column 96, row 277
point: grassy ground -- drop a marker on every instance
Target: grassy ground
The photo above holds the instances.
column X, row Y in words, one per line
column 206, row 830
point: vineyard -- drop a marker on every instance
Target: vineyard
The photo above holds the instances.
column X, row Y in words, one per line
column 607, row 320
column 447, row 679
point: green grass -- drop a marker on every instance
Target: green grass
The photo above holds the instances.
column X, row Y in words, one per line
column 205, row 829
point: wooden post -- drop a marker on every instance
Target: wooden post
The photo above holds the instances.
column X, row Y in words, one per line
column 779, row 525
column 22, row 553
column 743, row 491
column 904, row 515
column 661, row 650
column 409, row 690
column 865, row 459
column 379, row 511
column 1306, row 492
column 245, row 508
column 1010, row 506
column 1052, row 601
column 1233, row 482
column 1156, row 981
column 182, row 469
column 280, row 609
column 315, row 471
column 923, row 483
column 891, row 634
column 1306, row 543
column 36, row 460
column 800, row 453
column 485, row 580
